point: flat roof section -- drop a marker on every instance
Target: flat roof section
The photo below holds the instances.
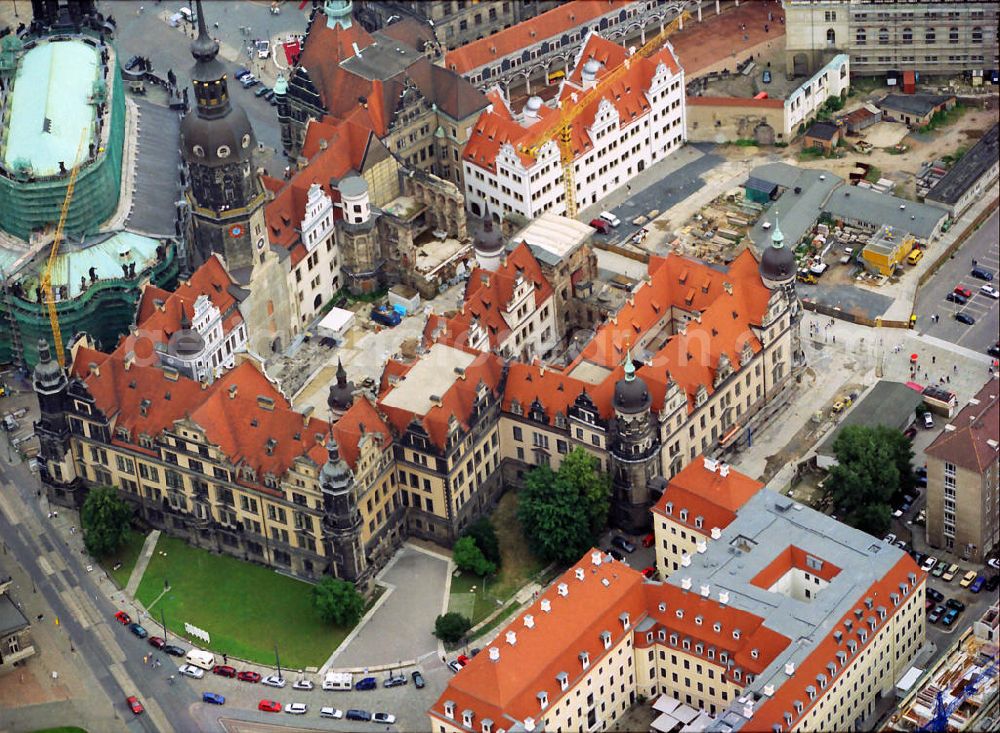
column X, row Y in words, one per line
column 967, row 171
column 51, row 106
column 554, row 234
column 433, row 374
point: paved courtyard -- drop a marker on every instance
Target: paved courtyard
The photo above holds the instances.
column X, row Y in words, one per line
column 400, row 627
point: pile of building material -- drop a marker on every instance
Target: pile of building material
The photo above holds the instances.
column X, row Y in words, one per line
column 930, row 173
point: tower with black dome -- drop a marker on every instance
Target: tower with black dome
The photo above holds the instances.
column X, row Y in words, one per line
column 342, row 520
column 217, row 143
column 635, row 453
column 778, row 270
column 56, row 467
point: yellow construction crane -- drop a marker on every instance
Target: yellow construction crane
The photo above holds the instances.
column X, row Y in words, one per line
column 562, row 131
column 46, row 284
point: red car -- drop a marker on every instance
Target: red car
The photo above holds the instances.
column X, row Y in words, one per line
column 157, row 641
column 269, row 706
column 648, row 540
column 123, row 618
column 133, row 702
column 248, row 676
column 963, row 291
column 649, row 572
column 224, row 670
column 462, row 659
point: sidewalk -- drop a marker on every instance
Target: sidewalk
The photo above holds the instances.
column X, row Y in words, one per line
column 142, row 563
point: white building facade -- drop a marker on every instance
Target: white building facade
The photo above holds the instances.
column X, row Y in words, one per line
column 315, row 273
column 637, row 122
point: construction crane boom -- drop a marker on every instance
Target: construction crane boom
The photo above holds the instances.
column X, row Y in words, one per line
column 46, row 283
column 562, row 131
column 942, row 713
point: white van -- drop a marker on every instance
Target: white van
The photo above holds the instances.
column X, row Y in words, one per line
column 609, row 218
column 188, row 15
column 928, row 420
column 199, row 658
column 338, row 681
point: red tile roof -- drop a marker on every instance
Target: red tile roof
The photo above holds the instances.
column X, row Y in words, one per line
column 523, row 35
column 264, row 435
column 360, row 419
column 487, row 295
column 772, row 710
column 974, row 444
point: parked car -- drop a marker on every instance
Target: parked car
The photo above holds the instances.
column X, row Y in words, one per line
column 649, row 572
column 224, row 670
column 963, row 291
column 241, row 72
column 296, row 708
column 138, row 630
column 157, row 641
column 270, row 96
column 622, row 544
column 956, row 298
column 386, row 316
column 335, row 713
column 418, row 679
column 134, row 704
column 929, row 564
column 990, row 291
column 967, row 579
column 273, row 680
column 949, row 574
column 386, row 718
column 994, row 350
column 269, row 706
column 213, row 698
column 993, row 583
column 189, row 670
column 249, row 81
column 889, row 538
column 600, row 225
column 611, row 218
column 355, row 714
column 949, row 618
column 616, row 554
column 993, row 563
column 955, row 604
column 396, row 680
column 935, row 595
column 940, row 568
column 248, row 676
column 262, row 91
column 965, row 318
column 123, row 618
column 303, row 685
column 928, row 420
column 454, row 666
column 977, row 584
column 174, row 650
column 935, row 615
column 648, row 540
column 366, row 683
column 981, row 274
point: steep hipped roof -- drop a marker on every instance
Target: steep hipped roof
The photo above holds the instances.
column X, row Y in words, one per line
column 360, row 419
column 972, row 438
column 703, row 490
column 627, row 93
column 527, row 33
column 242, row 412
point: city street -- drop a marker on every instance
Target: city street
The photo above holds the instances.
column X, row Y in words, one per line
column 984, row 247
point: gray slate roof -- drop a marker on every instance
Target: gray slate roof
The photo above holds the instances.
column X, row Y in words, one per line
column 914, row 104
column 888, row 403
column 157, row 185
column 11, row 618
column 875, row 208
column 967, row 171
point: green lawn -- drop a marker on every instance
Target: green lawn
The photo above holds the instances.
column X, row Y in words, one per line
column 245, row 608
column 127, row 554
column 517, row 568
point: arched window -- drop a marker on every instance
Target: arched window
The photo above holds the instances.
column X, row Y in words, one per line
column 930, row 36
column 883, row 35
column 907, row 35
column 953, row 35
column 977, row 35
column 831, row 37
column 861, row 36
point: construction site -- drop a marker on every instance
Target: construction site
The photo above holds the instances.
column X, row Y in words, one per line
column 960, row 691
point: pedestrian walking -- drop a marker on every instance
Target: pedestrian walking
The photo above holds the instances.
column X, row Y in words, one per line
column 933, row 359
column 948, row 379
column 954, row 368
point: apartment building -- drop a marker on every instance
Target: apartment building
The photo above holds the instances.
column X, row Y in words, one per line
column 541, row 50
column 634, row 116
column 510, row 312
column 197, row 329
column 963, row 474
column 455, row 22
column 15, row 630
column 932, row 38
column 384, row 82
column 229, row 465
column 737, row 633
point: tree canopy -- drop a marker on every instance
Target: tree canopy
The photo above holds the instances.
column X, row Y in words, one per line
column 564, row 512
column 338, row 601
column 451, row 627
column 105, row 521
column 485, row 537
column 873, row 465
column 468, row 556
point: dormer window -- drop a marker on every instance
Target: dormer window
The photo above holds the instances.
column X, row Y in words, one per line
column 717, row 627
column 487, row 725
column 698, row 521
column 698, row 620
column 669, row 508
column 606, row 639
column 543, row 699
column 661, row 634
column 449, row 709
column 686, row 644
column 467, row 716
column 679, row 612
column 684, row 515
column 736, row 633
column 625, row 621
column 754, row 653
column 584, row 659
column 563, row 679
column 673, row 640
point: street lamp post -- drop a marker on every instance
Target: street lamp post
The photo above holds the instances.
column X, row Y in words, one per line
column 277, row 660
